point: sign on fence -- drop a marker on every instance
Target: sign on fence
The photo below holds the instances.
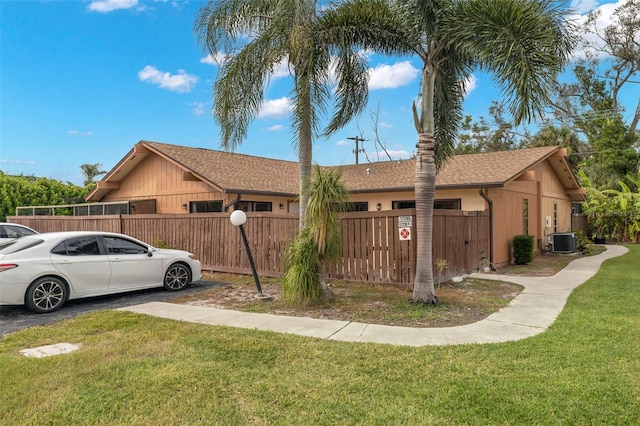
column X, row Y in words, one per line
column 404, row 221
column 405, row 234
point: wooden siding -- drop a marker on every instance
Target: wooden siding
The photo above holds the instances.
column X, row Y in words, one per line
column 508, row 218
column 156, row 178
column 372, row 250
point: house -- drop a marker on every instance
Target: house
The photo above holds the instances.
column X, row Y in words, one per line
column 527, row 191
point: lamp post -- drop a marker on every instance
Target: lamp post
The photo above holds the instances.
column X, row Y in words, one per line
column 238, row 218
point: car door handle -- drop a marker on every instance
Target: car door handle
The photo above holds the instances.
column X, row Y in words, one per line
column 65, row 262
column 116, row 259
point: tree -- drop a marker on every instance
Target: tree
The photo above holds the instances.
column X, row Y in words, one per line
column 487, row 136
column 319, row 242
column 18, row 191
column 90, row 171
column 560, row 136
column 525, row 43
column 590, row 106
column 257, row 36
column 618, row 42
column 612, row 213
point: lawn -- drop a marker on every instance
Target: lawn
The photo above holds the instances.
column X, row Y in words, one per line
column 133, row 369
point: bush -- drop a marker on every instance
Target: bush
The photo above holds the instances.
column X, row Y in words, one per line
column 301, row 283
column 523, row 249
column 583, row 244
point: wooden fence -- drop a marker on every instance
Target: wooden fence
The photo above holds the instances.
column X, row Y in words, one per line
column 372, row 249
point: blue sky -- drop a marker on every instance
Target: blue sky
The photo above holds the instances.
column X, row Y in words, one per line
column 83, row 81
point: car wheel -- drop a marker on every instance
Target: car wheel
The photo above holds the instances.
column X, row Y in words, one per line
column 46, row 294
column 177, row 277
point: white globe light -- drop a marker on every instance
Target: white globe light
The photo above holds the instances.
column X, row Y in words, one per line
column 238, row 217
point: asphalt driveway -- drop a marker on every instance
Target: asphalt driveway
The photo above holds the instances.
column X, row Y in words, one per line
column 14, row 318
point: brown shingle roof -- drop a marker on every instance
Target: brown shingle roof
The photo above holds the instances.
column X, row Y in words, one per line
column 471, row 170
column 233, row 172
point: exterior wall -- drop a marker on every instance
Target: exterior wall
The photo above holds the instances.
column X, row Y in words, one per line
column 508, row 216
column 156, row 178
column 470, row 199
column 508, row 212
column 553, row 192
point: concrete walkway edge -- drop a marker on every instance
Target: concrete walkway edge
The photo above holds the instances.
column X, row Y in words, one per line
column 528, row 314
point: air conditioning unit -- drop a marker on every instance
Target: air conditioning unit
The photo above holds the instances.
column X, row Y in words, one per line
column 563, row 242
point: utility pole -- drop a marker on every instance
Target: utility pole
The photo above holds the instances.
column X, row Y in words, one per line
column 357, row 150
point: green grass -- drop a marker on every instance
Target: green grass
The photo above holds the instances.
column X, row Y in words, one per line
column 134, row 369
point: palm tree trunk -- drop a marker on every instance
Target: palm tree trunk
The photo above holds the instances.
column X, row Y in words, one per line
column 304, row 160
column 425, row 188
column 305, row 146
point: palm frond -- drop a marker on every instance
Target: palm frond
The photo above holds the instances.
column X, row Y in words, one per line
column 525, row 43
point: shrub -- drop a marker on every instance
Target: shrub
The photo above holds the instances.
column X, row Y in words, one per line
column 301, row 283
column 523, row 249
column 583, row 244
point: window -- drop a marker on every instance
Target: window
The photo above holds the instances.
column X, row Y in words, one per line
column 555, row 217
column 261, row 207
column 205, row 206
column 13, row 231
column 525, row 216
column 253, row 206
column 358, row 207
column 453, row 204
column 116, row 209
column 446, row 204
column 576, row 208
column 116, row 245
column 403, row 205
column 80, row 246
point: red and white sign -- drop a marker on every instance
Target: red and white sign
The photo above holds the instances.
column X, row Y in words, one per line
column 405, row 234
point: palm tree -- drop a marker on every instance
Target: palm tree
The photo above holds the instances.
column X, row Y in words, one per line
column 90, row 172
column 257, row 36
column 319, row 242
column 524, row 43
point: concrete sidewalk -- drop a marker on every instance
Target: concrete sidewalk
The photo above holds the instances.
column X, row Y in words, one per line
column 529, row 313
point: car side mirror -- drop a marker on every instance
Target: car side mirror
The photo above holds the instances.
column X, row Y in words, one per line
column 149, row 252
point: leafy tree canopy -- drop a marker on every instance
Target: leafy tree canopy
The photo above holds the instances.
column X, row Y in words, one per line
column 16, row 191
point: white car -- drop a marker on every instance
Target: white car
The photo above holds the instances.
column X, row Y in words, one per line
column 10, row 231
column 45, row 270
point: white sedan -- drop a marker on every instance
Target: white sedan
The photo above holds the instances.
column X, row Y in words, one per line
column 43, row 271
column 10, row 231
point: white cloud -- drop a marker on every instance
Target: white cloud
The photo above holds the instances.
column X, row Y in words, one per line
column 397, row 154
column 276, row 128
column 104, row 6
column 470, row 84
column 605, row 19
column 77, row 133
column 281, row 69
column 181, row 82
column 385, row 76
column 386, row 125
column 215, row 60
column 583, row 6
column 26, row 162
column 275, row 108
column 198, row 107
column 341, row 143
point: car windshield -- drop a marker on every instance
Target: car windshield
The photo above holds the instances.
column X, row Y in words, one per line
column 20, row 244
